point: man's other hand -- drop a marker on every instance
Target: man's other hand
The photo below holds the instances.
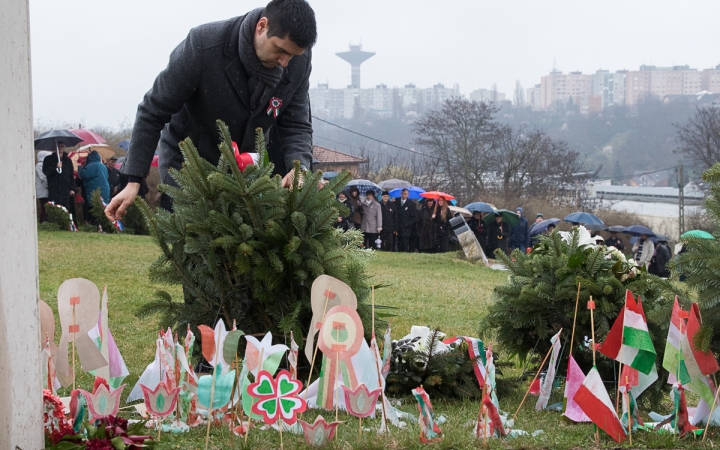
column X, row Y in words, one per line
column 120, row 203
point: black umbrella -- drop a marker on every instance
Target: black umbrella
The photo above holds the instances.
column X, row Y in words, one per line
column 541, row 227
column 50, row 140
column 637, row 230
column 595, row 227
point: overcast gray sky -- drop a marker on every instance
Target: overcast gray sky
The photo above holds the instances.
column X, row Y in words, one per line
column 93, row 60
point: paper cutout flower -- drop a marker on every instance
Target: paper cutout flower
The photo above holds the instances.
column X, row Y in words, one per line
column 320, row 432
column 274, row 353
column 103, row 402
column 360, row 402
column 277, row 398
column 160, row 402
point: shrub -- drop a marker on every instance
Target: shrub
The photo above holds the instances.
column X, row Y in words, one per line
column 58, row 215
column 48, row 226
column 244, row 248
column 540, row 294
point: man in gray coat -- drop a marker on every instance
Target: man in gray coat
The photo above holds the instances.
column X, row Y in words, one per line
column 250, row 72
column 372, row 219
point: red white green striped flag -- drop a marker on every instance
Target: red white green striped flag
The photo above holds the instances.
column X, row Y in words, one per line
column 628, row 340
column 698, row 363
column 593, row 399
column 673, row 360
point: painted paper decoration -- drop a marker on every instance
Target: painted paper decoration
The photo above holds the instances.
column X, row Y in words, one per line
column 320, row 432
column 271, row 358
column 78, row 310
column 160, row 402
column 326, row 293
column 103, row 402
column 293, row 356
column 360, row 402
column 429, row 429
column 223, row 389
column 277, row 397
column 230, row 346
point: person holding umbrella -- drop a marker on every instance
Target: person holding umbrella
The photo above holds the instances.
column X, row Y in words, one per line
column 477, row 226
column 357, row 209
column 406, row 215
column 426, row 227
column 644, row 250
column 497, row 234
column 442, row 216
column 60, row 177
column 343, row 222
column 41, row 187
column 614, row 241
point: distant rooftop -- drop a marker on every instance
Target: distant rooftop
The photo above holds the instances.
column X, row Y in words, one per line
column 326, row 155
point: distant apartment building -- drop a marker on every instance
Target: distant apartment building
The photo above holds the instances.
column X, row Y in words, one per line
column 710, row 80
column 557, row 88
column 380, row 100
column 487, row 96
column 532, row 97
column 660, row 82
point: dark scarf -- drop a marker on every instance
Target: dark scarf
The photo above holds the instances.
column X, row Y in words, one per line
column 262, row 81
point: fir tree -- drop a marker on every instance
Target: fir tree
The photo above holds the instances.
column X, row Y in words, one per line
column 539, row 298
column 700, row 265
column 244, row 248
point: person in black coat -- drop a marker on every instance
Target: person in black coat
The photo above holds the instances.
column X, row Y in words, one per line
column 614, row 241
column 357, row 208
column 662, row 257
column 406, row 214
column 520, row 234
column 389, row 220
column 113, row 176
column 251, row 72
column 344, row 221
column 498, row 233
column 427, row 227
column 442, row 216
column 61, row 186
column 477, row 226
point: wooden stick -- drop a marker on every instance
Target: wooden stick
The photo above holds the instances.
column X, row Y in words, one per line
column 360, row 429
column 159, row 429
column 377, row 367
column 629, row 406
column 212, row 392
column 73, row 346
column 484, row 414
column 312, row 363
column 572, row 336
column 617, row 394
column 260, row 361
column 337, row 380
column 707, row 425
column 592, row 326
column 533, row 380
column 281, row 440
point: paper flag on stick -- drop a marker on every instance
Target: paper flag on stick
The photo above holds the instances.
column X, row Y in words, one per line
column 223, row 389
column 160, row 402
column 360, row 402
column 230, row 347
column 595, row 402
column 326, row 292
column 429, row 430
column 103, row 402
column 698, row 363
column 277, row 397
column 574, row 380
column 293, row 356
column 547, row 383
column 673, row 360
column 320, row 432
column 77, row 409
column 271, row 358
column 151, row 377
column 116, row 370
column 78, row 309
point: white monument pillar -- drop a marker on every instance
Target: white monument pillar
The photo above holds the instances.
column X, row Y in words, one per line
column 20, row 371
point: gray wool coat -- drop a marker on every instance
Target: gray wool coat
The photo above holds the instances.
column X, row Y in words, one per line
column 371, row 217
column 205, row 81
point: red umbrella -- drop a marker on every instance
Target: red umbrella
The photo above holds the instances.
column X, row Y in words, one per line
column 88, row 136
column 437, row 194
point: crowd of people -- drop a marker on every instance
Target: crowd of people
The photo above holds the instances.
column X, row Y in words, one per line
column 57, row 181
column 404, row 225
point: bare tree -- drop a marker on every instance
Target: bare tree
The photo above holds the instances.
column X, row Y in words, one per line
column 459, row 135
column 699, row 138
column 519, row 95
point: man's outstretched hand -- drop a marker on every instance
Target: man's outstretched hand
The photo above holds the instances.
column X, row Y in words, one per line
column 120, row 203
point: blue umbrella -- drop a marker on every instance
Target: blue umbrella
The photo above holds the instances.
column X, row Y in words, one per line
column 329, row 175
column 414, row 192
column 364, row 186
column 125, row 145
column 637, row 230
column 541, row 227
column 583, row 218
column 480, row 207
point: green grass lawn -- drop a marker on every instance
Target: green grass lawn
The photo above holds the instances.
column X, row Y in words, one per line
column 436, row 290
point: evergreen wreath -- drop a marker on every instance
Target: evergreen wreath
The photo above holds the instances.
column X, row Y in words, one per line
column 244, row 248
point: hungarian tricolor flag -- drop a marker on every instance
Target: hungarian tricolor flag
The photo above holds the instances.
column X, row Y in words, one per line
column 673, row 360
column 595, row 402
column 698, row 363
column 628, row 340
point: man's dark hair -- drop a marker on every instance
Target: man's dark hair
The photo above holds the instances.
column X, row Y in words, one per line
column 293, row 19
column 405, row 190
